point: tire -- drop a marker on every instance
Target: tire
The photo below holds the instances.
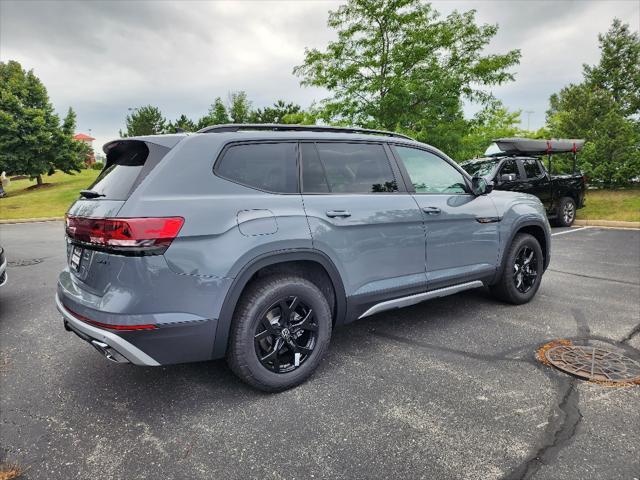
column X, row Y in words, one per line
column 258, row 330
column 566, row 213
column 507, row 288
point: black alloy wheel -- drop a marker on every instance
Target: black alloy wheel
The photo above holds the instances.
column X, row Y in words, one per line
column 525, row 269
column 280, row 331
column 286, row 335
column 522, row 270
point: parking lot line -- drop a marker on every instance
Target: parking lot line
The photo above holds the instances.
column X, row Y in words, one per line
column 568, row 231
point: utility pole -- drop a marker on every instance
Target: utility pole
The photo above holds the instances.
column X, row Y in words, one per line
column 529, row 112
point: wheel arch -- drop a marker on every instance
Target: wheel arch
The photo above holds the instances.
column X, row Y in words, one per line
column 272, row 262
column 532, row 227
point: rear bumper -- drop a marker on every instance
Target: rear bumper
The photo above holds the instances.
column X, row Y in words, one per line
column 123, row 351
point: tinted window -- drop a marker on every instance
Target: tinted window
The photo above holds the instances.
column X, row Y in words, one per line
column 127, row 164
column 430, row 173
column 531, row 168
column 346, row 168
column 480, row 168
column 265, row 166
column 510, row 167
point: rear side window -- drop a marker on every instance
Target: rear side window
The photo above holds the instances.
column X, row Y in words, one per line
column 265, row 166
column 531, row 168
column 346, row 168
column 128, row 162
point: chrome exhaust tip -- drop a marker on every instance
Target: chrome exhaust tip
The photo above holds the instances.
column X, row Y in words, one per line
column 108, row 352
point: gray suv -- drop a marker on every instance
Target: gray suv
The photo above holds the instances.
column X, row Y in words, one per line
column 253, row 242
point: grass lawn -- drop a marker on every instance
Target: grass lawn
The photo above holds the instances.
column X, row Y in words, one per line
column 612, row 205
column 51, row 200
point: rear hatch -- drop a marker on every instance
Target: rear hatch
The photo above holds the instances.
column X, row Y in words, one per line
column 98, row 242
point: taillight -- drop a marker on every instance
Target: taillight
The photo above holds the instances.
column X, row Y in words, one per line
column 111, row 326
column 127, row 236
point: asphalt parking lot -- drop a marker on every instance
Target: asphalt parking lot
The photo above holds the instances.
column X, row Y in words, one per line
column 448, row 389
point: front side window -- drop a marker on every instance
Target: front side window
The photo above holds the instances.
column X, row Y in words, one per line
column 510, row 167
column 346, row 168
column 265, row 166
column 430, row 173
column 531, row 168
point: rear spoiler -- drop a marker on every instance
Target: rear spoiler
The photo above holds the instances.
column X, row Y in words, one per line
column 168, row 141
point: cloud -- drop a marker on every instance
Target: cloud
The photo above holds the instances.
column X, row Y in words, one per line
column 103, row 57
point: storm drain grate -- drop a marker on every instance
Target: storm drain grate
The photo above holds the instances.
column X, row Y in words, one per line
column 593, row 363
column 25, row 262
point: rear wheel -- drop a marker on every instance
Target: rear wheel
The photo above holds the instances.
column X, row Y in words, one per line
column 566, row 213
column 280, row 331
column 522, row 271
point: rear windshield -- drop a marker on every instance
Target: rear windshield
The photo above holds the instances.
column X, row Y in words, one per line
column 127, row 164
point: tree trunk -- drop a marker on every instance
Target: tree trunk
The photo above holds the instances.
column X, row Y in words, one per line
column 39, row 179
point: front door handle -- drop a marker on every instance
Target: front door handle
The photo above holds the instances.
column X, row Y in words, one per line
column 338, row 213
column 431, row 210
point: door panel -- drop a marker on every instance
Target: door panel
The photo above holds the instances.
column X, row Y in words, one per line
column 380, row 246
column 374, row 237
column 537, row 183
column 461, row 229
column 458, row 245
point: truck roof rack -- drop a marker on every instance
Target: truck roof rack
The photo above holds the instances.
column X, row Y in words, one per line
column 276, row 127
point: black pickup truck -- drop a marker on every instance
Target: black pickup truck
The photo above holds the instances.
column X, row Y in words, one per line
column 514, row 164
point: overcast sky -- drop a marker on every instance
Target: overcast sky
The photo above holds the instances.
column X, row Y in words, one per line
column 104, row 57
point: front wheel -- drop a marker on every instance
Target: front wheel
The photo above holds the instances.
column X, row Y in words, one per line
column 522, row 271
column 280, row 331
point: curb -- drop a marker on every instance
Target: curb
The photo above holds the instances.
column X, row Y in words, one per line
column 31, row 220
column 607, row 223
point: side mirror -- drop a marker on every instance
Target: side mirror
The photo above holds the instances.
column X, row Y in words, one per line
column 480, row 186
column 507, row 177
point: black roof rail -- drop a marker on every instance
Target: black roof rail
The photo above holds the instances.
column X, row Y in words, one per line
column 276, row 127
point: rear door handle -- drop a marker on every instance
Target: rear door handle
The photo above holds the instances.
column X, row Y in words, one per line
column 431, row 210
column 338, row 213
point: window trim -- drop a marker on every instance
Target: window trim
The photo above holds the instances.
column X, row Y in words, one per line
column 407, row 179
column 226, row 147
column 397, row 175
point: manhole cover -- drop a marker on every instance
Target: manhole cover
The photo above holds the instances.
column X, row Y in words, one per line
column 593, row 363
column 25, row 262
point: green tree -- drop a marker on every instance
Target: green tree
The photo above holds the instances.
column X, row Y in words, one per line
column 396, row 64
column 71, row 154
column 494, row 121
column 612, row 153
column 32, row 141
column 239, row 107
column 603, row 109
column 217, row 115
column 147, row 120
column 274, row 114
column 183, row 123
column 618, row 71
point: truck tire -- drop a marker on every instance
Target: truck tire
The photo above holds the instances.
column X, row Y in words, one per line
column 566, row 213
column 279, row 333
column 521, row 271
